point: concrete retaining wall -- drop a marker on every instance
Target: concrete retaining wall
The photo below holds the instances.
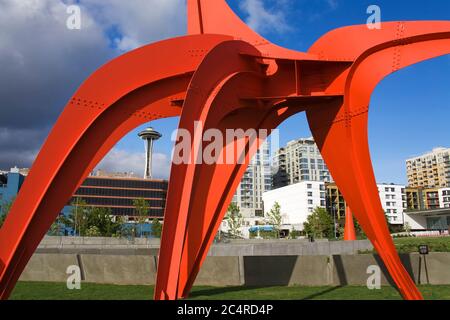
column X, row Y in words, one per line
column 236, row 248
column 318, row 270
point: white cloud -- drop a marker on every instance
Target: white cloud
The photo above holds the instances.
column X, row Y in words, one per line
column 139, row 21
column 262, row 19
column 119, row 160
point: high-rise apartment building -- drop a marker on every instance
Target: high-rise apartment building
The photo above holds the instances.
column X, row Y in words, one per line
column 299, row 161
column 431, row 170
column 256, row 180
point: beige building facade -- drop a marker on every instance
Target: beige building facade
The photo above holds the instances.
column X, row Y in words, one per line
column 431, row 170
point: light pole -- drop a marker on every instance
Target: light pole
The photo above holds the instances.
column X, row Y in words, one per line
column 334, row 220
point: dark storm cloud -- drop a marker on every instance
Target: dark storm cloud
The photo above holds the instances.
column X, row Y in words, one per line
column 42, row 62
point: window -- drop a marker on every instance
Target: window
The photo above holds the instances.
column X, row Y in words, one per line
column 309, row 186
column 310, row 201
column 310, row 194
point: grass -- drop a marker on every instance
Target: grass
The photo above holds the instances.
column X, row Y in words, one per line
column 411, row 245
column 408, row 245
column 58, row 291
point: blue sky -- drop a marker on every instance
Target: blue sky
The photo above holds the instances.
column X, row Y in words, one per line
column 410, row 110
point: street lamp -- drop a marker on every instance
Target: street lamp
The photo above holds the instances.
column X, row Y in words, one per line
column 334, row 220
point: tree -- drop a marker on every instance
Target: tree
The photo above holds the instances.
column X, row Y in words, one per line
column 5, row 210
column 141, row 207
column 275, row 219
column 121, row 230
column 407, row 227
column 93, row 231
column 234, row 219
column 319, row 224
column 101, row 218
column 156, row 228
column 82, row 219
column 77, row 217
column 293, row 234
column 2, row 219
column 57, row 227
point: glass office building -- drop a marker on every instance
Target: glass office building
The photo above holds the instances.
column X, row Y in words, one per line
column 118, row 194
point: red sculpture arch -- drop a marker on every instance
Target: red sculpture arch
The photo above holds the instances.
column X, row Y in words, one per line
column 226, row 76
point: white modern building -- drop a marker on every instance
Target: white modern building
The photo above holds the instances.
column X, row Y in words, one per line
column 444, row 197
column 436, row 219
column 297, row 201
column 429, row 220
column 393, row 200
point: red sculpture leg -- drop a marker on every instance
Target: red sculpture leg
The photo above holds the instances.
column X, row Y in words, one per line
column 211, row 186
column 98, row 114
column 214, row 70
column 224, row 181
column 344, row 127
column 352, row 171
column 349, row 231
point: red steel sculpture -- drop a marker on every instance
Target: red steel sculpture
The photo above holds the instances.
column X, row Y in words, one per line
column 228, row 77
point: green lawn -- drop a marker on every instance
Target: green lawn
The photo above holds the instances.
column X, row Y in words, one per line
column 411, row 245
column 408, row 245
column 58, row 291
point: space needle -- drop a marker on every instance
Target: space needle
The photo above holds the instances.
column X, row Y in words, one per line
column 149, row 135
